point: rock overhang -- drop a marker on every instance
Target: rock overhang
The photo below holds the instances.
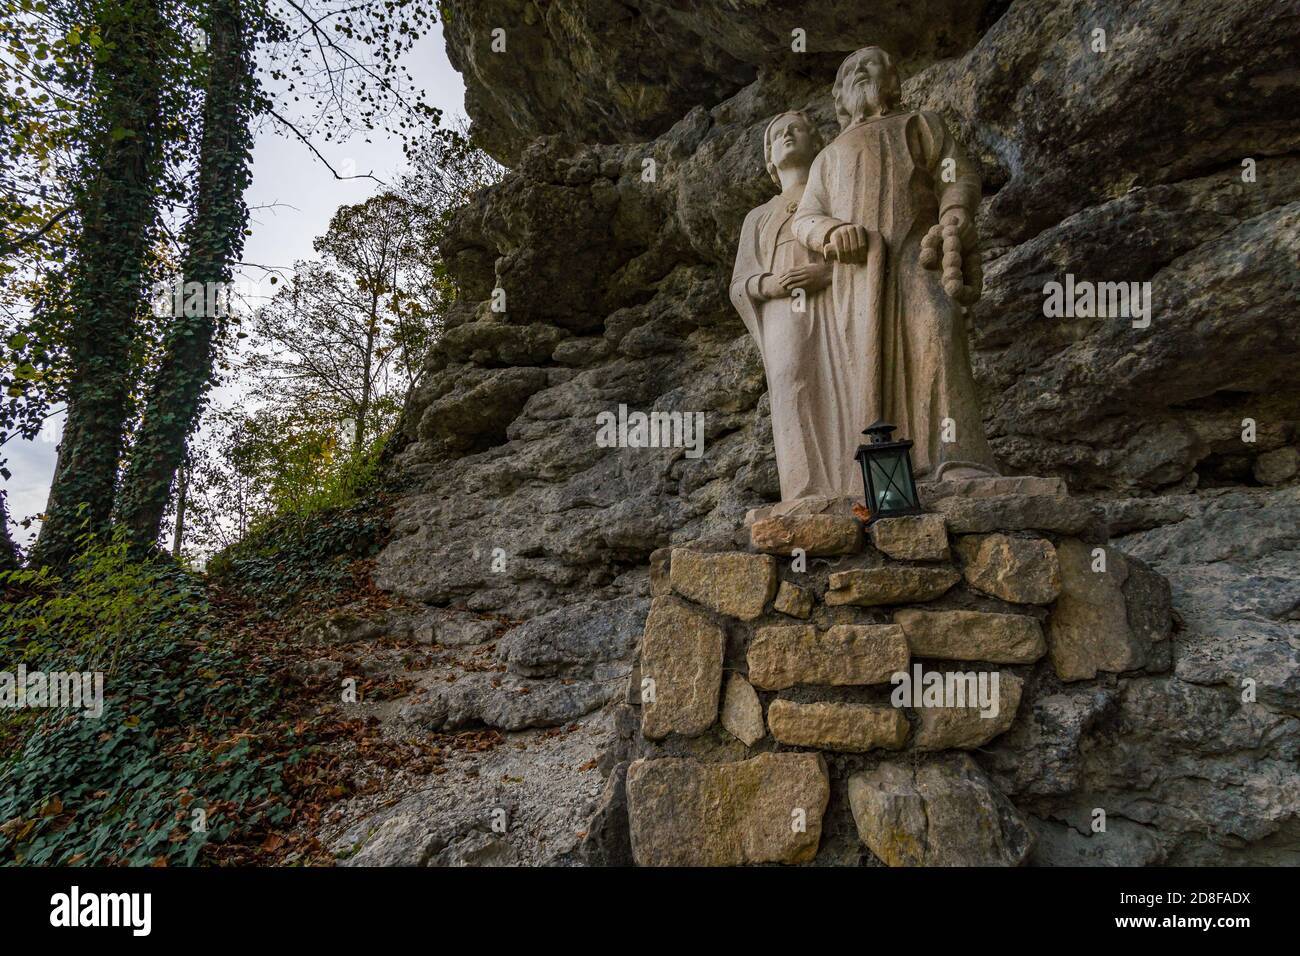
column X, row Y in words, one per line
column 627, row 70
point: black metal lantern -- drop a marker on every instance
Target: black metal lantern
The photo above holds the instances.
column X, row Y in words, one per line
column 887, row 474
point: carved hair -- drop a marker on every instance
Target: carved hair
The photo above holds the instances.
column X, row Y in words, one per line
column 814, row 135
column 891, row 91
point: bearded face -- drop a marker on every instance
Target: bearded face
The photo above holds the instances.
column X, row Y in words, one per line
column 866, row 85
column 861, row 97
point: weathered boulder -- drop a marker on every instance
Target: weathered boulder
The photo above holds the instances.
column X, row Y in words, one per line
column 1041, row 754
column 1231, row 561
column 451, row 628
column 764, row 810
column 734, row 583
column 944, row 812
column 912, row 537
column 893, row 584
column 1201, row 775
column 855, row 728
column 573, row 639
column 965, row 728
column 1019, row 570
column 846, row 654
column 793, row 600
column 972, row 636
column 1102, row 622
column 932, row 491
column 815, row 535
column 742, row 712
column 1277, row 466
column 505, row 702
column 343, row 626
column 1018, row 513
column 489, row 343
column 681, row 658
column 476, row 410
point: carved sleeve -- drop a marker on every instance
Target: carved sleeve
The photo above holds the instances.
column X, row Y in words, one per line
column 748, row 272
column 956, row 181
column 813, row 222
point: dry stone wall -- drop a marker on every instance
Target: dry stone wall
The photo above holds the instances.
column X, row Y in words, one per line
column 886, row 685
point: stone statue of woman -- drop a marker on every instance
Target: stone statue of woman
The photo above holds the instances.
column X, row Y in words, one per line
column 779, row 287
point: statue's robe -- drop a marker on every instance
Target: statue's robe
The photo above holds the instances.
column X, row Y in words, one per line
column 902, row 354
column 802, row 356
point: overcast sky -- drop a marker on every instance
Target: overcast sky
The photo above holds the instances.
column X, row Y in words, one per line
column 300, row 196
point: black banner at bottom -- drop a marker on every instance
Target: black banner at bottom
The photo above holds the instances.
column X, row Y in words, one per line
column 231, row 906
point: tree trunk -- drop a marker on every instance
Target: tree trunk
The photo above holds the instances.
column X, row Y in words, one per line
column 214, row 240
column 178, row 532
column 116, row 202
column 8, row 550
column 359, row 433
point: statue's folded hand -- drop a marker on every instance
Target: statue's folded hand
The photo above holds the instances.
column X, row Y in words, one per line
column 770, row 287
column 812, row 277
column 847, row 243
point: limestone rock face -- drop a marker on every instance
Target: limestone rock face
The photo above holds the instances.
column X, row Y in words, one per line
column 1277, row 466
column 573, row 639
column 943, row 813
column 854, row 728
column 892, row 584
column 681, row 653
column 846, row 654
column 513, row 703
column 990, row 487
column 1093, row 628
column 736, row 584
column 973, row 636
column 1107, row 167
column 477, row 412
column 1019, row 570
column 1040, row 755
column 568, row 69
column 450, row 628
column 1231, row 563
column 1017, row 513
column 912, row 537
column 686, row 813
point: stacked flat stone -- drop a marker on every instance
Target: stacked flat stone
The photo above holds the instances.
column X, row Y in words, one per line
column 763, row 673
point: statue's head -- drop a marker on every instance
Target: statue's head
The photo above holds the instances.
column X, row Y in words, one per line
column 791, row 140
column 867, row 84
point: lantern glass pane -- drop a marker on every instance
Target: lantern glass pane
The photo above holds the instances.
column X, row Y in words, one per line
column 889, row 483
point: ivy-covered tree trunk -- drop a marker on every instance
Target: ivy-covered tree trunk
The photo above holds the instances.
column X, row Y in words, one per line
column 214, row 240
column 178, row 530
column 116, row 202
column 8, row 550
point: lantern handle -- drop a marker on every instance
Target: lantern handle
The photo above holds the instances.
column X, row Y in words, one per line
column 879, row 431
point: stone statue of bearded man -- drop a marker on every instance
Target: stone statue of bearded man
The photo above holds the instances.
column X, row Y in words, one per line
column 889, row 200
